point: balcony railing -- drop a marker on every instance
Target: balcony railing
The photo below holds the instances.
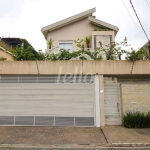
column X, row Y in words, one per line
column 57, row 50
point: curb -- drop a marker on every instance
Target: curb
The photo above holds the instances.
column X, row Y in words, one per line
column 66, row 146
column 130, row 144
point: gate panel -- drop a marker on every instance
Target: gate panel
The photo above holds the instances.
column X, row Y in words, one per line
column 112, row 103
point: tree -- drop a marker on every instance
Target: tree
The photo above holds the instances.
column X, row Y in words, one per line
column 42, row 56
column 109, row 51
column 114, row 50
column 141, row 54
column 93, row 55
column 27, row 54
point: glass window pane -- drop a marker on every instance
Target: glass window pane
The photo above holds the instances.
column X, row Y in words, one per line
column 65, row 45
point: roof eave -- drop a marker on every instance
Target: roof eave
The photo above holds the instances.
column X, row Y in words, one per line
column 103, row 24
column 1, row 48
column 68, row 20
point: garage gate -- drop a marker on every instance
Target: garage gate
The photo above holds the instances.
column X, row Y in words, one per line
column 46, row 101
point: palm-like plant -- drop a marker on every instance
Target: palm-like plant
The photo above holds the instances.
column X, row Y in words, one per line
column 50, row 43
column 87, row 40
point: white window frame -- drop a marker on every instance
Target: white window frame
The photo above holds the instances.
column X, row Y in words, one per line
column 67, row 42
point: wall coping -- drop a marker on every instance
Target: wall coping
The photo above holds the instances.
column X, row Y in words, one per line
column 104, row 67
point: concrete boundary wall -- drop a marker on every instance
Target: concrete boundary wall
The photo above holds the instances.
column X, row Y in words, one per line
column 103, row 67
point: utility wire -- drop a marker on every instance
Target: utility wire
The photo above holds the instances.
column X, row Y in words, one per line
column 141, row 27
column 148, row 3
column 139, row 20
column 133, row 20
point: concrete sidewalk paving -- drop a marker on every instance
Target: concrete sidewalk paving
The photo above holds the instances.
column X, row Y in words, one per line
column 52, row 137
column 59, row 138
column 121, row 136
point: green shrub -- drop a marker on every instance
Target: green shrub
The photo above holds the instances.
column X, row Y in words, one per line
column 141, row 54
column 136, row 119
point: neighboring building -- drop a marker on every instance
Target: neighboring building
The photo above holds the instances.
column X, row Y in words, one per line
column 80, row 26
column 5, row 55
column 5, row 49
column 5, row 44
column 14, row 42
column 17, row 42
column 10, row 44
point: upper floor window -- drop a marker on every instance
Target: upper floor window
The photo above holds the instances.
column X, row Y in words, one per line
column 68, row 45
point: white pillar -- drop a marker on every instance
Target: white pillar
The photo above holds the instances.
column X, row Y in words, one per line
column 102, row 105
column 97, row 99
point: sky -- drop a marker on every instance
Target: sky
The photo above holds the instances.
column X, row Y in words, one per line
column 25, row 18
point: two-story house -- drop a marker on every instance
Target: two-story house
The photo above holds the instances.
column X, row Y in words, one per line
column 64, row 32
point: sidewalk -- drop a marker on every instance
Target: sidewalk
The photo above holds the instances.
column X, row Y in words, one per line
column 121, row 136
column 48, row 138
column 51, row 137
